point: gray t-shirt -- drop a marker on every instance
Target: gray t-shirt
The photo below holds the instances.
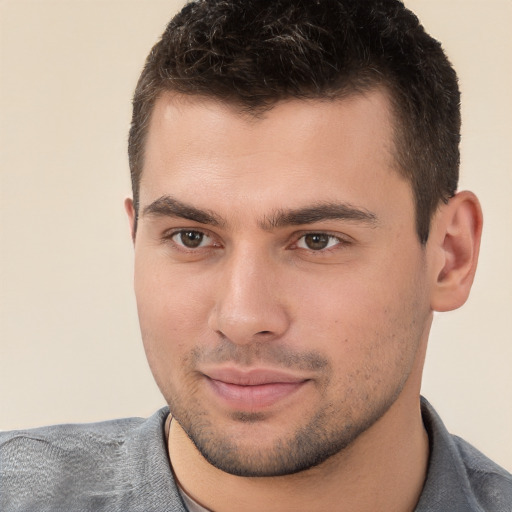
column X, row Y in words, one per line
column 122, row 466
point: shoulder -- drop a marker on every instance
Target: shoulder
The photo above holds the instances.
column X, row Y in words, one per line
column 459, row 477
column 62, row 448
column 68, row 436
column 490, row 484
column 97, row 466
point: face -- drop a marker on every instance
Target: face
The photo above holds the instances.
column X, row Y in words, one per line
column 280, row 283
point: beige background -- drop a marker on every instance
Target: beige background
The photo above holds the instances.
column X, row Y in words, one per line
column 70, row 348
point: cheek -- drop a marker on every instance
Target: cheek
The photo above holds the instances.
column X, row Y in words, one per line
column 172, row 312
column 370, row 322
column 172, row 323
column 340, row 304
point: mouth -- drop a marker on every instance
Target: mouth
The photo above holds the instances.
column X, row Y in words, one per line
column 252, row 390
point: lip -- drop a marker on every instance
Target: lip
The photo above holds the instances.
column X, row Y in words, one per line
column 254, row 389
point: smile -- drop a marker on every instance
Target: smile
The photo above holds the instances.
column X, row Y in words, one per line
column 253, row 390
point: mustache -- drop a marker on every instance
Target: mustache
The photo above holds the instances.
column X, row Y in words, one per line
column 267, row 352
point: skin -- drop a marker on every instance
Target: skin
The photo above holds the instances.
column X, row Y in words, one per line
column 306, row 265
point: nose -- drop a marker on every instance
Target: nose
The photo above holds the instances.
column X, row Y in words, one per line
column 249, row 305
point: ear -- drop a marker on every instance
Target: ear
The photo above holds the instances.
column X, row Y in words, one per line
column 130, row 211
column 456, row 234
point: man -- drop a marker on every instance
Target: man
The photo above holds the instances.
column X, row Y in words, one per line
column 296, row 222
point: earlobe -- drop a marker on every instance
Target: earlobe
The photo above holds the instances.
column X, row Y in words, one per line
column 130, row 211
column 457, row 233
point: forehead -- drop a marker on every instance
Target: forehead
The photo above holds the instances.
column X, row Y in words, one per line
column 298, row 151
column 201, row 120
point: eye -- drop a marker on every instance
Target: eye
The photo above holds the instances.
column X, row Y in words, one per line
column 191, row 239
column 318, row 241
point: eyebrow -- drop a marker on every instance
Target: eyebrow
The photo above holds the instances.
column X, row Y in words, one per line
column 318, row 213
column 167, row 206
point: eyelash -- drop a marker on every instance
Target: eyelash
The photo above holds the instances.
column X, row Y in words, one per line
column 169, row 236
column 340, row 241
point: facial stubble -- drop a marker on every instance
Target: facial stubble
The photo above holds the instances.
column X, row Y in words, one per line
column 310, row 444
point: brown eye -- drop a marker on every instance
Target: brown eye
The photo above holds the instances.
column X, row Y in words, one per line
column 189, row 239
column 317, row 241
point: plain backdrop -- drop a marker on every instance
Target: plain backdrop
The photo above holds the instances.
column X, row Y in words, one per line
column 70, row 347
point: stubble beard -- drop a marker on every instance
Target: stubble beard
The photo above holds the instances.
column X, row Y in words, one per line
column 325, row 435
column 335, row 425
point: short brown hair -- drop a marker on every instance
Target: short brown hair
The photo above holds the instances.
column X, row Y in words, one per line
column 254, row 53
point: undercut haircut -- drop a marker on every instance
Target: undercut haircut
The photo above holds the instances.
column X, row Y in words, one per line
column 255, row 53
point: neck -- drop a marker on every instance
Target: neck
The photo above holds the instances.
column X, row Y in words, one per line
column 383, row 469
